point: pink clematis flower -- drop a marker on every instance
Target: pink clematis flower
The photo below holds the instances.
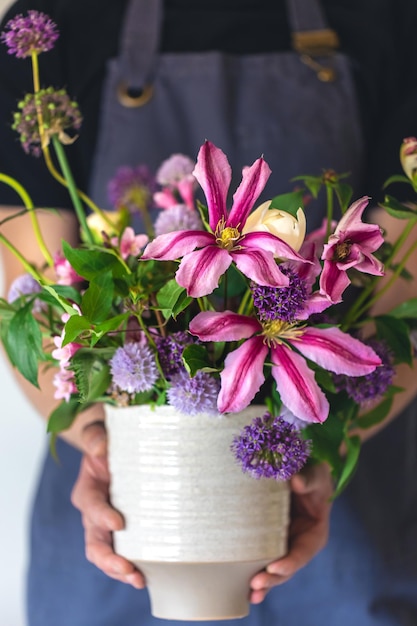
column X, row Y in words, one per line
column 207, row 255
column 351, row 245
column 289, row 345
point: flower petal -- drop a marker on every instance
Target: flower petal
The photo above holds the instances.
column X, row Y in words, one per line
column 171, row 246
column 214, row 174
column 297, row 385
column 333, row 282
column 352, row 218
column 271, row 243
column 337, row 351
column 260, row 266
column 242, row 375
column 223, row 326
column 254, row 179
column 200, row 271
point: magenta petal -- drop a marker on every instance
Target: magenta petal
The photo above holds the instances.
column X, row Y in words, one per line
column 260, row 267
column 270, row 243
column 242, row 376
column 337, row 351
column 317, row 303
column 214, row 174
column 352, row 218
column 171, row 246
column 333, row 282
column 200, row 271
column 297, row 386
column 223, row 326
column 254, row 179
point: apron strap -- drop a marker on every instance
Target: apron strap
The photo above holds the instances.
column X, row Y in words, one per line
column 139, row 42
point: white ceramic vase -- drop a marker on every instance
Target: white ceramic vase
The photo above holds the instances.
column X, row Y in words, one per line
column 196, row 525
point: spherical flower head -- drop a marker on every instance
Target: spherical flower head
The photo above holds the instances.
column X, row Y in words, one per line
column 30, row 34
column 365, row 389
column 178, row 217
column 59, row 114
column 25, row 285
column 170, row 351
column 131, row 187
column 194, row 395
column 133, row 368
column 270, row 447
column 174, row 169
column 281, row 303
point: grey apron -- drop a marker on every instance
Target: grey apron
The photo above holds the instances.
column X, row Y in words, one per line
column 270, row 104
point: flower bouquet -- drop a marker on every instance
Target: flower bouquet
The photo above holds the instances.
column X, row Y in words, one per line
column 211, row 311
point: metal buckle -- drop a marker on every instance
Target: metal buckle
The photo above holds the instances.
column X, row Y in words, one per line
column 129, row 101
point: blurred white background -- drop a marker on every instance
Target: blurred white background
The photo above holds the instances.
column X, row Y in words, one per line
column 22, row 443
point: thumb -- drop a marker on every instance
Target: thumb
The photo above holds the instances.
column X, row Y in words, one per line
column 94, row 439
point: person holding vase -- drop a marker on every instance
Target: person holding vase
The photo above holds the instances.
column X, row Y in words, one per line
column 309, row 84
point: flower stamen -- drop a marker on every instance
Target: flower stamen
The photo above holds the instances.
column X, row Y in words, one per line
column 276, row 331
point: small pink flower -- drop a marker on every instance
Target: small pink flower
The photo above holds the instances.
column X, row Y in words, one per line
column 350, row 246
column 130, row 244
column 65, row 385
column 65, row 273
column 64, row 354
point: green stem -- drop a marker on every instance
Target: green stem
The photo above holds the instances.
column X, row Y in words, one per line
column 60, row 153
column 27, row 201
column 329, row 197
column 28, row 267
column 243, row 303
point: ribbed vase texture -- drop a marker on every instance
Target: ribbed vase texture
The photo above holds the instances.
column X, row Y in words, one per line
column 182, row 494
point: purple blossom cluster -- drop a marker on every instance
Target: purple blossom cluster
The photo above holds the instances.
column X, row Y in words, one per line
column 281, row 303
column 170, row 349
column 133, row 368
column 30, row 34
column 131, row 187
column 25, row 285
column 365, row 389
column 59, row 114
column 194, row 395
column 270, row 447
column 177, row 217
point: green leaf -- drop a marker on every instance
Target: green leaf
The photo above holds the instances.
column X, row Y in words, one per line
column 327, row 439
column 195, row 358
column 67, row 306
column 397, row 178
column 168, row 296
column 407, row 309
column 313, row 183
column 75, row 326
column 92, row 375
column 24, row 343
column 353, row 446
column 397, row 209
column 344, row 194
column 98, row 298
column 90, row 263
column 288, row 202
column 375, row 415
column 397, row 335
column 7, row 311
column 63, row 416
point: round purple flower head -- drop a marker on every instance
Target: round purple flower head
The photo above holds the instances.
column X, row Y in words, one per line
column 30, row 34
column 131, row 187
column 59, row 113
column 133, row 368
column 194, row 395
column 365, row 389
column 25, row 285
column 270, row 447
column 177, row 217
column 174, row 169
column 281, row 303
column 170, row 351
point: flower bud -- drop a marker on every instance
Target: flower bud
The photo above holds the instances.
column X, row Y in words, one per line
column 279, row 223
column 112, row 226
column 408, row 158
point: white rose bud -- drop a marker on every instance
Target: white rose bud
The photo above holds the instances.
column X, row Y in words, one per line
column 290, row 229
column 408, row 158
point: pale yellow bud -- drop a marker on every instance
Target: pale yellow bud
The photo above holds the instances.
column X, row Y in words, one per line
column 290, row 229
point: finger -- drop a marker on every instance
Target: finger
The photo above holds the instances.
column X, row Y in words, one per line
column 94, row 439
column 99, row 551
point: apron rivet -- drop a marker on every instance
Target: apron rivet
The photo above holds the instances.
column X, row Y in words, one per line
column 134, row 98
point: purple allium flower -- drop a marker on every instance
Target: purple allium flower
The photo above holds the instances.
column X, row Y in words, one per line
column 170, row 351
column 25, row 285
column 31, row 34
column 59, row 113
column 364, row 389
column 281, row 303
column 131, row 187
column 270, row 447
column 194, row 395
column 133, row 368
column 174, row 169
column 178, row 217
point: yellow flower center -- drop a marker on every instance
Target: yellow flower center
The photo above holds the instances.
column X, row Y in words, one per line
column 276, row 331
column 227, row 237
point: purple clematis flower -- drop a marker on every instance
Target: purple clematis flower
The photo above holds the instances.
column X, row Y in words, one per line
column 254, row 253
column 289, row 345
column 351, row 245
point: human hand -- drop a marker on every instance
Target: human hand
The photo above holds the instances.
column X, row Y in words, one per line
column 311, row 491
column 90, row 496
